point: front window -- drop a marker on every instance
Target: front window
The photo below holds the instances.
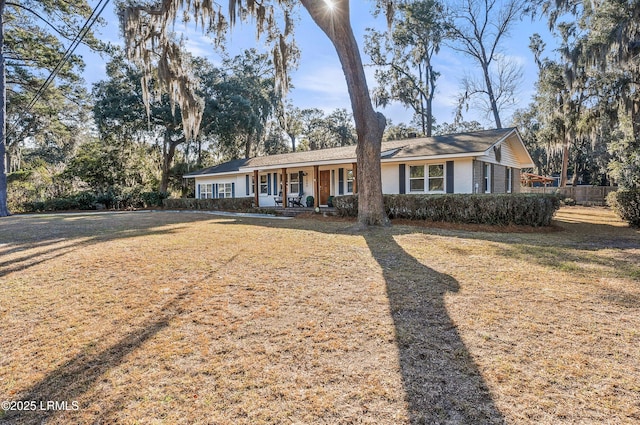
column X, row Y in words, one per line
column 429, row 178
column 436, row 178
column 486, row 174
column 294, row 183
column 416, row 178
column 264, row 184
column 509, row 180
column 349, row 181
column 206, row 191
column 225, row 190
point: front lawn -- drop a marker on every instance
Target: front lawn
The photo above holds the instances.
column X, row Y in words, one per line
column 171, row 318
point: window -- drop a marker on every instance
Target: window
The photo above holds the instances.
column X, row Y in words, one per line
column 436, row 178
column 294, row 183
column 206, row 191
column 429, row 178
column 509, row 181
column 416, row 178
column 349, row 181
column 225, row 190
column 264, row 184
column 486, row 175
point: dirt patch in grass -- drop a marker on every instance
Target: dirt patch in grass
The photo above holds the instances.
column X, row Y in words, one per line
column 191, row 318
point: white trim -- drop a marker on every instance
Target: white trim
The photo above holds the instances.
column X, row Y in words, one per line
column 524, row 148
column 296, row 165
column 404, row 159
column 228, row 173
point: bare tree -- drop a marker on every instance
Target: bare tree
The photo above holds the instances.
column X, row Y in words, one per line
column 506, row 78
column 477, row 30
column 404, row 59
column 147, row 25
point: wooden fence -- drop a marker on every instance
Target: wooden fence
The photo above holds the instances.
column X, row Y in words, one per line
column 583, row 195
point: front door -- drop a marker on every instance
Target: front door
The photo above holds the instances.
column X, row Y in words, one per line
column 325, row 187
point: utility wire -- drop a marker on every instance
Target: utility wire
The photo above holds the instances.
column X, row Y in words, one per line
column 91, row 20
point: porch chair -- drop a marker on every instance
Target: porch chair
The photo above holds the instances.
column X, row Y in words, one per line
column 296, row 201
column 278, row 199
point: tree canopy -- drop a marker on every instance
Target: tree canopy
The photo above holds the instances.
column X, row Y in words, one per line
column 43, row 98
column 146, row 29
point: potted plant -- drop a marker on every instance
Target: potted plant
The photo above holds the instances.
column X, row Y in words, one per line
column 330, row 202
column 310, row 201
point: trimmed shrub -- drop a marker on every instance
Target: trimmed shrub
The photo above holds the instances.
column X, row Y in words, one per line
column 346, row 206
column 154, row 199
column 85, row 201
column 222, row 204
column 626, row 204
column 129, row 198
column 519, row 209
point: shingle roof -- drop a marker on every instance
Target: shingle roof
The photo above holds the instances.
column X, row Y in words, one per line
column 225, row 167
column 449, row 144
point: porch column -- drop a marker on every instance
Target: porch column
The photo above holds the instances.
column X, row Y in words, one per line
column 284, row 188
column 316, row 186
column 256, row 189
column 354, row 167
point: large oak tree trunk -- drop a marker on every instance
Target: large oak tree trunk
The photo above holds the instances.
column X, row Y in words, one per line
column 4, row 210
column 335, row 22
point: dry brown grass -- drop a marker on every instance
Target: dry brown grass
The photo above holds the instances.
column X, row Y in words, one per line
column 168, row 318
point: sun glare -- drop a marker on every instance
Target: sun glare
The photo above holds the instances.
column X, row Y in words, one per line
column 331, row 5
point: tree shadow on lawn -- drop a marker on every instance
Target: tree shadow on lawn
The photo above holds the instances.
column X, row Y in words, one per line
column 441, row 381
column 71, row 380
column 48, row 236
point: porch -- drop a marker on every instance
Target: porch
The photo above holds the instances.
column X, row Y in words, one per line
column 295, row 211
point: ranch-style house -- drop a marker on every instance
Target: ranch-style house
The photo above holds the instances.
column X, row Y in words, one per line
column 488, row 161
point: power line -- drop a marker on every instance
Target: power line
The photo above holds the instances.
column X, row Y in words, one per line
column 72, row 47
column 91, row 20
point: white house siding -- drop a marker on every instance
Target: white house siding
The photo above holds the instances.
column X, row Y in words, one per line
column 274, row 184
column 390, row 178
column 507, row 156
column 237, row 182
column 463, row 176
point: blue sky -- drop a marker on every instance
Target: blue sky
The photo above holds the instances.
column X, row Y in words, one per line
column 319, row 81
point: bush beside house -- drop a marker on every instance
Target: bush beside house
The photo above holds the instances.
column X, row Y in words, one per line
column 519, row 209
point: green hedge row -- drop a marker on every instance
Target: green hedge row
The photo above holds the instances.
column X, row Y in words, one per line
column 519, row 209
column 91, row 201
column 224, row 204
column 626, row 203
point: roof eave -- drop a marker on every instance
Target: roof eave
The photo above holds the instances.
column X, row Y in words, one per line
column 432, row 157
column 226, row 173
column 297, row 165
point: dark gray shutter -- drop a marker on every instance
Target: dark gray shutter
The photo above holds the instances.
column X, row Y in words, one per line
column 247, row 182
column 301, row 185
column 484, row 178
column 269, row 184
column 275, row 184
column 449, row 174
column 402, row 178
column 215, row 190
column 233, row 189
column 340, row 181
